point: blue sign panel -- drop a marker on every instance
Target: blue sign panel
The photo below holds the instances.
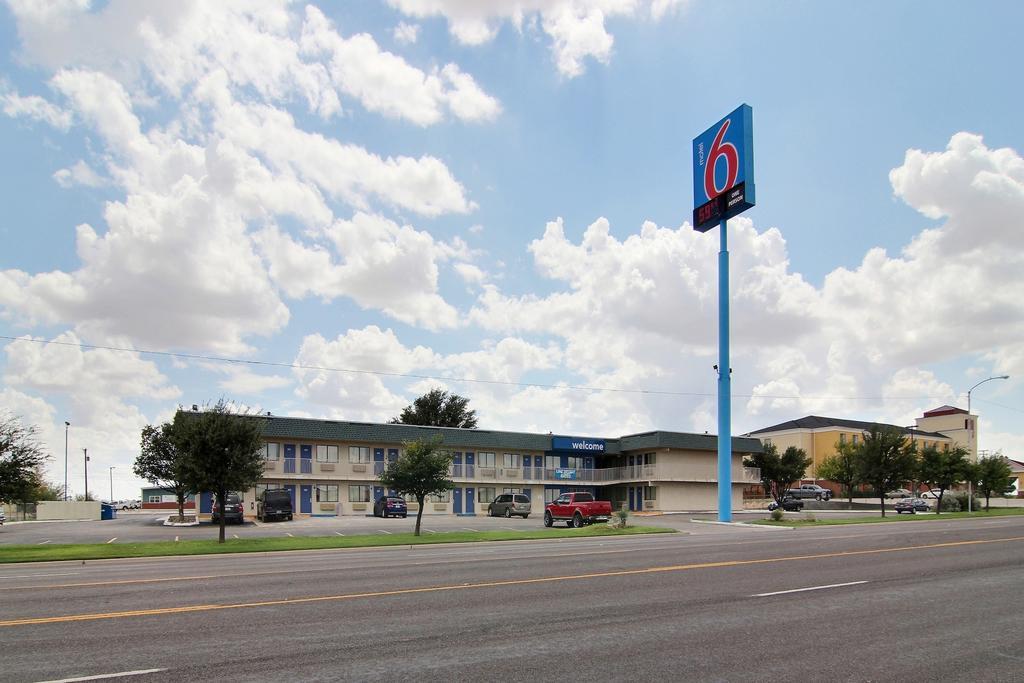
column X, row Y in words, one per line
column 562, row 473
column 570, row 443
column 723, row 169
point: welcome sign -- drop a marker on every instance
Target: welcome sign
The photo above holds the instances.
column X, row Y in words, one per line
column 581, row 445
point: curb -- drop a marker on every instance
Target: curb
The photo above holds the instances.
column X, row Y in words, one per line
column 746, row 525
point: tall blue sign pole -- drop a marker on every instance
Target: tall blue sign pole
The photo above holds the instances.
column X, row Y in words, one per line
column 723, row 187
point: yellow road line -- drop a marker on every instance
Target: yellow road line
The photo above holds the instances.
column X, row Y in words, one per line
column 488, row 584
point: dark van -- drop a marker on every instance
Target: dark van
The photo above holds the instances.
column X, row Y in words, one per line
column 274, row 504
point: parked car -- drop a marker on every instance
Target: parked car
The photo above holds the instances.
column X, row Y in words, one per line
column 274, row 504
column 911, row 505
column 390, row 506
column 899, row 493
column 933, row 493
column 508, row 504
column 810, row 491
column 234, row 511
column 577, row 509
column 789, row 504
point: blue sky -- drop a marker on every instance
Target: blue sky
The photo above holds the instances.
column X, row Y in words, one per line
column 501, row 192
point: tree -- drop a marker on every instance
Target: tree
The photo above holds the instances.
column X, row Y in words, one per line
column 438, row 408
column 994, row 476
column 779, row 472
column 221, row 451
column 47, row 490
column 21, row 461
column 160, row 463
column 885, row 459
column 421, row 471
column 940, row 469
column 841, row 468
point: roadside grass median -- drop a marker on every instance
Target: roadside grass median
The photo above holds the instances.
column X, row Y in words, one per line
column 106, row 551
column 891, row 516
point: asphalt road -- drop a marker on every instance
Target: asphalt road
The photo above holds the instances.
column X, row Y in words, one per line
column 929, row 600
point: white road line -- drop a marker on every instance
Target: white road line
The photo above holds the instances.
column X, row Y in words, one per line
column 32, row 576
column 812, row 588
column 44, row 542
column 112, row 540
column 339, row 533
column 140, row 672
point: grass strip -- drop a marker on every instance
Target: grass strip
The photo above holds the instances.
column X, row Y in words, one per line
column 893, row 517
column 104, row 551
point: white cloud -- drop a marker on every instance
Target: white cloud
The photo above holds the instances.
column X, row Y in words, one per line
column 35, row 108
column 80, row 173
column 576, row 27
column 406, row 34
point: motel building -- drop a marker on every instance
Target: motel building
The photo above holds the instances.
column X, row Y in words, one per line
column 330, row 467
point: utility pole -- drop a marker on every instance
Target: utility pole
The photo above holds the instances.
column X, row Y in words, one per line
column 85, row 452
column 66, row 426
column 112, row 467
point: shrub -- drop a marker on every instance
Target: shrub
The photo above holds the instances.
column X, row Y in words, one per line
column 961, row 499
column 810, row 518
column 777, row 514
column 623, row 515
column 950, row 503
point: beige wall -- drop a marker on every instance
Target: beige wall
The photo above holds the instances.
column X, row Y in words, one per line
column 953, row 427
column 71, row 509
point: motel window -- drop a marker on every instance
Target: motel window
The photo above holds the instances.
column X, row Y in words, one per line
column 441, row 497
column 551, row 494
column 552, row 461
column 855, row 438
column 574, row 462
column 650, row 458
column 842, row 438
column 507, row 490
column 510, row 460
column 485, row 459
column 272, row 451
column 154, row 499
column 358, row 454
column 327, row 454
column 327, row 493
column 485, row 494
column 358, row 494
column 650, row 493
column 945, row 447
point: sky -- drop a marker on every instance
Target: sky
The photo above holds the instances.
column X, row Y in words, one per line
column 326, row 209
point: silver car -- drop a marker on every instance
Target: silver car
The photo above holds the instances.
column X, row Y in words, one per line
column 508, row 504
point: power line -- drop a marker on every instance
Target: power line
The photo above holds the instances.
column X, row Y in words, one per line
column 404, row 375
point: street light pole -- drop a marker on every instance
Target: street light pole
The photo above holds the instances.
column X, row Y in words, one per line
column 970, row 420
column 85, row 452
column 66, row 426
column 112, row 467
column 975, row 387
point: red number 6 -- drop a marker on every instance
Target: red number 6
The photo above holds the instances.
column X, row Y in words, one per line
column 732, row 163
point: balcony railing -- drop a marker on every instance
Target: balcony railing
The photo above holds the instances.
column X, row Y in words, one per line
column 307, row 466
column 289, row 465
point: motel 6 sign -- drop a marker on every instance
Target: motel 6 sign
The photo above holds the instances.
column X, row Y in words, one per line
column 723, row 170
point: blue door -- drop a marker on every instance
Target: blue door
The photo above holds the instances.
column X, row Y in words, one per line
column 206, row 502
column 469, row 466
column 306, row 459
column 289, row 462
column 470, row 502
column 631, row 499
column 538, row 466
column 639, row 498
column 378, row 461
column 392, row 454
column 291, row 490
column 306, row 499
column 457, row 501
column 588, row 462
column 457, row 464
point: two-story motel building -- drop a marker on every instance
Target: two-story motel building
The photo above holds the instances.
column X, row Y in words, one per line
column 330, row 467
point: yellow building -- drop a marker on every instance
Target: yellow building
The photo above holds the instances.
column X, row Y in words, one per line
column 818, row 436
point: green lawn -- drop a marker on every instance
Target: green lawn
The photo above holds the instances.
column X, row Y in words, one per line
column 890, row 516
column 102, row 551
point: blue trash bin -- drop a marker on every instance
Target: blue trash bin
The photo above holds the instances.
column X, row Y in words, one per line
column 107, row 511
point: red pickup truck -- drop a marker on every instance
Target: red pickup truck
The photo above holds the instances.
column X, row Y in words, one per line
column 577, row 509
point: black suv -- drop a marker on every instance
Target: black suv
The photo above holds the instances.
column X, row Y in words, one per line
column 274, row 504
column 234, row 511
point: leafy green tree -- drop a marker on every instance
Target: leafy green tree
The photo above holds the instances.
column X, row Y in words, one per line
column 438, row 408
column 160, row 463
column 421, row 471
column 994, row 476
column 941, row 469
column 841, row 468
column 779, row 472
column 21, row 461
column 47, row 490
column 221, row 451
column 885, row 459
